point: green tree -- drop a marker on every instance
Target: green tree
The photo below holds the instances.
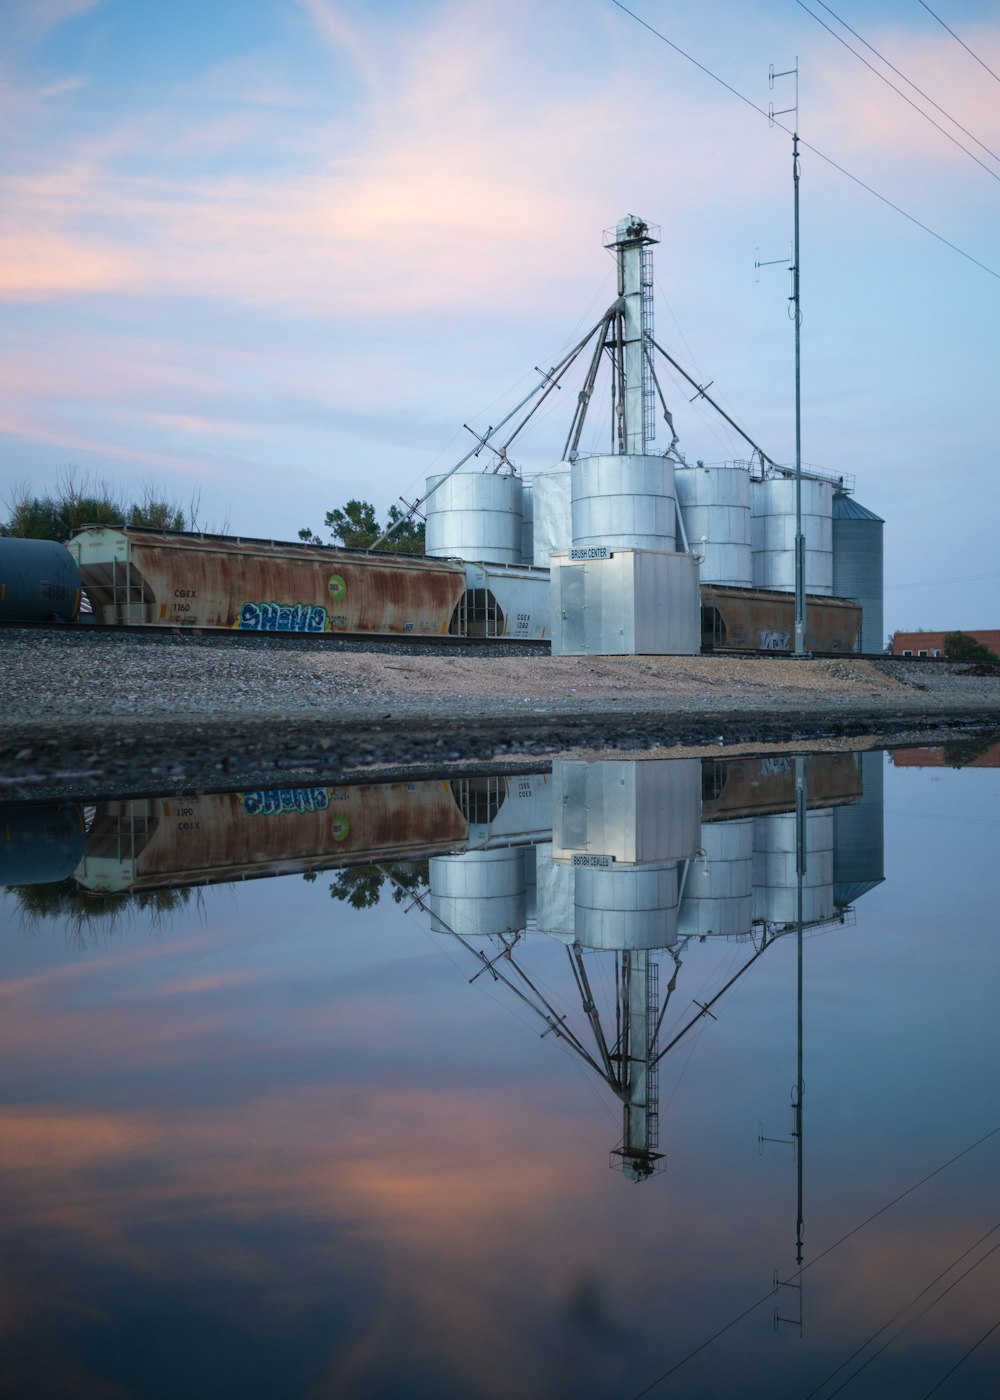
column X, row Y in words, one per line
column 76, row 503
column 357, row 527
column 360, row 885
column 960, row 646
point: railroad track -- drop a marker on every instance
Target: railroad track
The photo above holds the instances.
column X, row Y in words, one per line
column 390, row 641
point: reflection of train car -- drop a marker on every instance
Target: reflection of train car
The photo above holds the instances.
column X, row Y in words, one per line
column 151, row 842
column 759, row 619
column 172, row 578
column 765, row 783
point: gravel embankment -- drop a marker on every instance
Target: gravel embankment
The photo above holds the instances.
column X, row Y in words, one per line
column 107, row 708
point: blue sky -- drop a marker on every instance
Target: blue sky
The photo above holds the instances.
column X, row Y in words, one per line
column 276, row 252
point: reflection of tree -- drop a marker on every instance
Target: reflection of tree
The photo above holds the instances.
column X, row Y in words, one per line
column 360, row 885
column 959, row 753
column 85, row 911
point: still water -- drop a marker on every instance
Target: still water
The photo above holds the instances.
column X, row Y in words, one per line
column 519, row 1087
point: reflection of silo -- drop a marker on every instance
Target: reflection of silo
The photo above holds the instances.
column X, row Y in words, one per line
column 624, row 502
column 474, row 516
column 555, row 910
column 773, row 534
column 479, row 892
column 715, row 507
column 857, row 564
column 717, row 891
column 774, row 860
column 631, row 907
column 552, row 524
column 859, row 843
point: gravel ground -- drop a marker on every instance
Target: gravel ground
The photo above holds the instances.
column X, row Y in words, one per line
column 105, row 708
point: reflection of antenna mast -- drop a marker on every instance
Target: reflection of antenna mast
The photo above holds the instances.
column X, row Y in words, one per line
column 801, row 863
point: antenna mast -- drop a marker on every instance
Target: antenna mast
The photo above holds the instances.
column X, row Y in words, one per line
column 800, row 544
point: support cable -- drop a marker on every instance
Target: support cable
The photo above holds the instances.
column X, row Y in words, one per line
column 708, row 398
column 961, row 41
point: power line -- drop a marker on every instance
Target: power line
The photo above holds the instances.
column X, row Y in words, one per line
column 816, row 1258
column 961, row 1359
column 905, row 79
column 814, row 149
column 923, row 1313
column 961, row 41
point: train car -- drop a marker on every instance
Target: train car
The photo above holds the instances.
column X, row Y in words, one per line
column 762, row 619
column 139, row 576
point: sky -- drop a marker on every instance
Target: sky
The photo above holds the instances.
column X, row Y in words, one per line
column 264, row 256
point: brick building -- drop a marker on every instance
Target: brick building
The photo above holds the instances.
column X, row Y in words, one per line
column 932, row 643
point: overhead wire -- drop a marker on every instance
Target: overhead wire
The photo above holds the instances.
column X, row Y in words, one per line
column 759, row 1302
column 908, row 100
column 926, row 96
column 961, row 1359
column 961, row 41
column 916, row 1318
column 806, row 145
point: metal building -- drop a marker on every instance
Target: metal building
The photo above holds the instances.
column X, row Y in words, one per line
column 857, row 564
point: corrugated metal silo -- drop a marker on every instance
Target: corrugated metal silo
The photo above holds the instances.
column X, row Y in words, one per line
column 479, row 892
column 859, row 834
column 474, row 516
column 627, row 908
column 715, row 507
column 857, row 564
column 552, row 525
column 775, row 882
column 527, row 522
column 719, row 884
column 772, row 528
column 625, row 502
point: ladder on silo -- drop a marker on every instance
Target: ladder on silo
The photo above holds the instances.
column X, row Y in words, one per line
column 653, row 1068
column 646, row 313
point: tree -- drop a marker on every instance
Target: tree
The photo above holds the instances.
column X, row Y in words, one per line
column 360, row 885
column 77, row 503
column 357, row 527
column 960, row 646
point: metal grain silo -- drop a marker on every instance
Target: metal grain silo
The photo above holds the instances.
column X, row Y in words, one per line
column 715, row 508
column 625, row 502
column 772, row 532
column 527, row 522
column 474, row 516
column 857, row 565
column 719, row 882
column 478, row 893
column 631, row 907
column 858, row 834
column 775, row 881
column 552, row 524
column 39, row 581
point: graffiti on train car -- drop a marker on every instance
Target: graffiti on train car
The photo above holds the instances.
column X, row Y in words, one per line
column 771, row 639
column 283, row 617
column 271, row 803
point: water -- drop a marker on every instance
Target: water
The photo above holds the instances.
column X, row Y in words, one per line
column 258, row 1141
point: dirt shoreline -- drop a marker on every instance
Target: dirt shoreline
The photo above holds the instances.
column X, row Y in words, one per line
column 117, row 716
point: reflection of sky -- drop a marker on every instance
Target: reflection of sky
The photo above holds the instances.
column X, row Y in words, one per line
column 272, row 1145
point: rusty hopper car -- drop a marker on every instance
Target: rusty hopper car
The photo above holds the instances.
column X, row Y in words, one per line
column 149, row 843
column 760, row 619
column 170, row 578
